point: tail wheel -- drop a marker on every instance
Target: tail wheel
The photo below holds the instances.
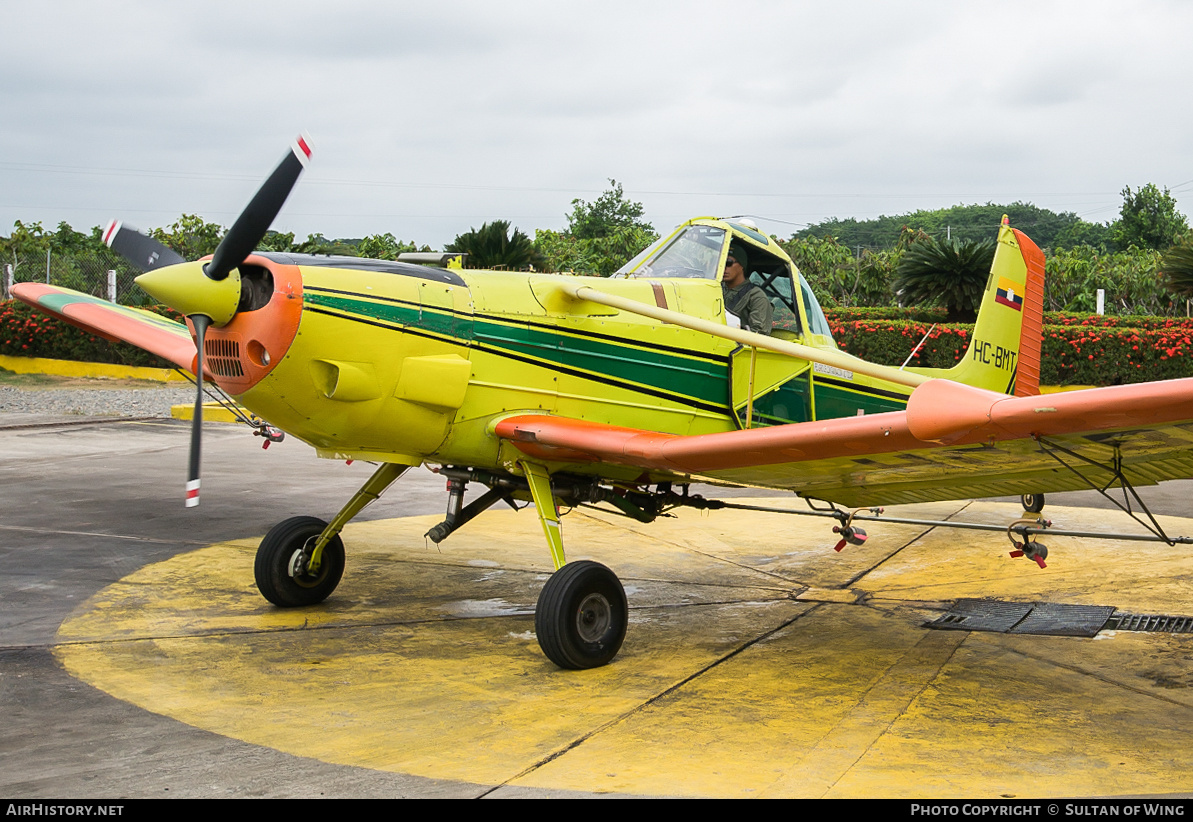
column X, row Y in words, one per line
column 1032, row 503
column 280, row 569
column 581, row 616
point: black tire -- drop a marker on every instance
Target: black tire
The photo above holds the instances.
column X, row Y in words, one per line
column 1032, row 503
column 581, row 616
column 272, row 568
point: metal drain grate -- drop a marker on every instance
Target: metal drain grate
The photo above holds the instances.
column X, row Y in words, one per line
column 1051, row 619
column 1038, row 618
column 982, row 615
column 1151, row 623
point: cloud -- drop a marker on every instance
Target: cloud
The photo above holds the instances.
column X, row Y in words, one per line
column 429, row 119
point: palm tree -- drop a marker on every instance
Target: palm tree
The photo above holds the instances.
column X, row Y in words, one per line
column 492, row 246
column 1176, row 268
column 951, row 272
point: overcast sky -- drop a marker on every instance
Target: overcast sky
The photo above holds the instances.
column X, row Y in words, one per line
column 430, row 118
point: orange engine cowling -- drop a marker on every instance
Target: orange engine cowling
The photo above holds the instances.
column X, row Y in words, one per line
column 240, row 354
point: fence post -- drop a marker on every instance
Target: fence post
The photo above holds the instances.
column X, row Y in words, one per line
column 112, row 285
column 47, row 266
column 8, row 281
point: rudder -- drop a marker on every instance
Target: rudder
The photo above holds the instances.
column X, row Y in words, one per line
column 1004, row 351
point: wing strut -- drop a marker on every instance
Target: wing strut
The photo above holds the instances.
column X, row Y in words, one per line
column 1115, row 469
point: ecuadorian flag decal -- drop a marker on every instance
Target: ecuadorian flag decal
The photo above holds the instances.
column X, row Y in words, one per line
column 1010, row 293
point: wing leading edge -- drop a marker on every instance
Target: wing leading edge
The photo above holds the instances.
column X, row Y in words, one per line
column 168, row 339
column 952, row 442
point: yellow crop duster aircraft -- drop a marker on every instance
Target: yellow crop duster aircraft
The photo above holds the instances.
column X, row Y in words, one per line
column 620, row 391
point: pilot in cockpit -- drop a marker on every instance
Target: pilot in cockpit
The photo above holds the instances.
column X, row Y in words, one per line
column 742, row 297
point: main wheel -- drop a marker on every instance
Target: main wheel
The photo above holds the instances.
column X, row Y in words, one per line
column 1032, row 503
column 281, row 577
column 581, row 616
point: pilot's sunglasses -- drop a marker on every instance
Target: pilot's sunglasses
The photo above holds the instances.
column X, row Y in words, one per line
column 730, row 261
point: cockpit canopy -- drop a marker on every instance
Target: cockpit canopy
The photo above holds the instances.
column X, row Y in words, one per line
column 692, row 251
column 697, row 250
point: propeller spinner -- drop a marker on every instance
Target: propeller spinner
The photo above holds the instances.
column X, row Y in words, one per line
column 206, row 293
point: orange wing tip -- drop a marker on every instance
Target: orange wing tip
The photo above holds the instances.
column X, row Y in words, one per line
column 946, row 412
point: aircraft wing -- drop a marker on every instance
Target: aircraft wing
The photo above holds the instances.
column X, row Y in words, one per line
column 168, row 339
column 952, row 442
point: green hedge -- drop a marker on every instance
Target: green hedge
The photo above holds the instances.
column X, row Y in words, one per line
column 912, row 314
column 27, row 332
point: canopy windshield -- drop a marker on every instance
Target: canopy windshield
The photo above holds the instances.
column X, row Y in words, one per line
column 817, row 322
column 694, row 252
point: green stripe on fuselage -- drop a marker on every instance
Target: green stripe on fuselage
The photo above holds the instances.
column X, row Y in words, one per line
column 445, row 323
column 833, row 401
column 789, row 402
column 690, row 377
column 694, row 377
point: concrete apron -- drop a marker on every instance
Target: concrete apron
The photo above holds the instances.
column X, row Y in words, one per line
column 758, row 662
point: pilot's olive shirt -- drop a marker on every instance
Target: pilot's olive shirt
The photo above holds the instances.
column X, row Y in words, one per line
column 749, row 303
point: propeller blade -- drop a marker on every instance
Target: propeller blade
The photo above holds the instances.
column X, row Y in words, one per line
column 246, row 233
column 141, row 250
column 200, row 321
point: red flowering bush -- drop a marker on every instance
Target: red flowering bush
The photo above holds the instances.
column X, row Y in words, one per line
column 1076, row 350
column 26, row 332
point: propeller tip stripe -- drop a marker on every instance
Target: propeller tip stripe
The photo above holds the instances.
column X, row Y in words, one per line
column 302, row 149
column 192, row 493
column 111, row 231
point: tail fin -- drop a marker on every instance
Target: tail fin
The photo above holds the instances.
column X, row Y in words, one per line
column 1004, row 352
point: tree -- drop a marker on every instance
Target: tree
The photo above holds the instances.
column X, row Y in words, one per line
column 1098, row 236
column 600, row 238
column 959, row 222
column 24, row 244
column 607, row 215
column 318, row 244
column 81, row 261
column 191, row 236
column 822, row 261
column 277, row 241
column 1149, row 219
column 492, row 246
column 1130, row 280
column 384, row 247
column 950, row 272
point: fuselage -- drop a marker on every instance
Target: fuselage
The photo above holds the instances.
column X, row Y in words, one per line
column 403, row 363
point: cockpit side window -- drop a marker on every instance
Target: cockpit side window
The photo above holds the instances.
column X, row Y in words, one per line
column 817, row 322
column 773, row 276
column 693, row 253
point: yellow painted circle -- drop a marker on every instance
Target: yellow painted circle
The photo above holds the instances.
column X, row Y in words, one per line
column 424, row 660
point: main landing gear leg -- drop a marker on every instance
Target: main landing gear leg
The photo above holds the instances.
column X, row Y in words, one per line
column 582, row 614
column 301, row 559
